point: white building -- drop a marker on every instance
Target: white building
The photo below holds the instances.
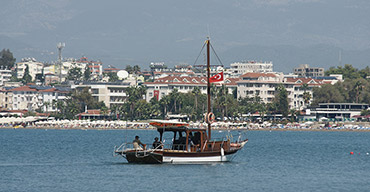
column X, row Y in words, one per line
column 34, row 67
column 68, row 64
column 5, row 75
column 110, row 93
column 262, row 85
column 25, row 98
column 338, row 111
column 304, row 70
column 239, row 68
column 31, row 98
column 50, row 96
column 164, row 86
column 297, row 101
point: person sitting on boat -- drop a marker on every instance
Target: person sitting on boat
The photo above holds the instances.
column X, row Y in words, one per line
column 136, row 143
column 157, row 144
column 190, row 141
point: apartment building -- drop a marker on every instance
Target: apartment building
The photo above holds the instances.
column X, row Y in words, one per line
column 24, row 98
column 261, row 84
column 5, row 75
column 164, row 86
column 305, row 70
column 34, row 67
column 111, row 93
column 50, row 95
column 264, row 85
column 32, row 97
column 300, row 86
column 239, row 68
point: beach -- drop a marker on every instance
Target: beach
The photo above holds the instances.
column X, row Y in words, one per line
column 118, row 124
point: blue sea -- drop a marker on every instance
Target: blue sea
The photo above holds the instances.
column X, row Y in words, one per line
column 81, row 160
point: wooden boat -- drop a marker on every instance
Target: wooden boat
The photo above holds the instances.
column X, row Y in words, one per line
column 189, row 145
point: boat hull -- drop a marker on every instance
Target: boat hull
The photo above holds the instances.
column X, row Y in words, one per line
column 171, row 156
column 144, row 157
column 201, row 157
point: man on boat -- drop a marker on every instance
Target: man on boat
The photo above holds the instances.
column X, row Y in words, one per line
column 136, row 143
column 157, row 143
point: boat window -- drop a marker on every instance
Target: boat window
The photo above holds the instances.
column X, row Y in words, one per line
column 196, row 138
column 179, row 141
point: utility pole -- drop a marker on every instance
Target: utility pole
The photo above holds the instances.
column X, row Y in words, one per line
column 60, row 46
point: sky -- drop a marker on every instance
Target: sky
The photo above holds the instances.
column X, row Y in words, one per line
column 121, row 32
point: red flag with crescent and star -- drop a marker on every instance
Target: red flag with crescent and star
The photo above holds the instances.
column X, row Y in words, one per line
column 217, row 78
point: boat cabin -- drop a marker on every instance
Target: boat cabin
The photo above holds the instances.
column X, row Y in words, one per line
column 188, row 139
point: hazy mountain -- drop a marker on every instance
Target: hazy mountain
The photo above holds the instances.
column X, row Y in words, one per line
column 287, row 32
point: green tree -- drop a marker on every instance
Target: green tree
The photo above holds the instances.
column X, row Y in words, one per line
column 74, row 74
column 6, row 59
column 135, row 94
column 40, row 76
column 164, row 103
column 155, row 108
column 14, row 77
column 328, row 94
column 365, row 73
column 136, row 69
column 26, row 76
column 281, row 100
column 174, row 100
column 306, row 95
column 196, row 93
column 348, row 71
column 129, row 69
column 87, row 73
column 112, row 77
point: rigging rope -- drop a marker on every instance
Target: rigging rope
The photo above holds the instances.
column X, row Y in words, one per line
column 219, row 60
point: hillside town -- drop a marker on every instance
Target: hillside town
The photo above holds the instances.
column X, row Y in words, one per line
column 252, row 91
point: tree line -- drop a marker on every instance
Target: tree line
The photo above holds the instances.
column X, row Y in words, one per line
column 225, row 105
column 354, row 89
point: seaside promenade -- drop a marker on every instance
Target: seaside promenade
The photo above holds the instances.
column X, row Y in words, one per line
column 118, row 124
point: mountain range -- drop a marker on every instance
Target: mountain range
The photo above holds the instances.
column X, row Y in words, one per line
column 287, row 32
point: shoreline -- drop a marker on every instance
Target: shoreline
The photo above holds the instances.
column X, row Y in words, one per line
column 217, row 129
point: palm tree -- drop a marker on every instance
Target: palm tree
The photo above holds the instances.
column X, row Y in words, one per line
column 46, row 105
column 164, row 102
column 196, row 92
column 104, row 111
column 135, row 94
column 357, row 89
column 293, row 113
column 306, row 95
column 174, row 96
column 136, row 69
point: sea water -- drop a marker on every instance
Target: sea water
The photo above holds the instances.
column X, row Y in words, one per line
column 82, row 160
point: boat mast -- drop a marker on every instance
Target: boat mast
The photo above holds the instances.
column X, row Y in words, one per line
column 208, row 86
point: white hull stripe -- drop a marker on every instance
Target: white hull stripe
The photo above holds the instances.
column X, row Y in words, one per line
column 169, row 159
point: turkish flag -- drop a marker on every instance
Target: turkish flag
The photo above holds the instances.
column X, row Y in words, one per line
column 217, row 78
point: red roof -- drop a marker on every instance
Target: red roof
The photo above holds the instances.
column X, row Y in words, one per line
column 23, row 88
column 49, row 90
column 256, row 75
column 188, row 80
column 303, row 80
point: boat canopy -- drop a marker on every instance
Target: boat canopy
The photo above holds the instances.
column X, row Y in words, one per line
column 168, row 125
column 165, row 124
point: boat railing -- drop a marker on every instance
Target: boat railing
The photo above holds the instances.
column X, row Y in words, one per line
column 130, row 146
column 180, row 147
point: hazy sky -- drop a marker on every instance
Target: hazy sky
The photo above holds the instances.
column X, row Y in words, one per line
column 288, row 32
